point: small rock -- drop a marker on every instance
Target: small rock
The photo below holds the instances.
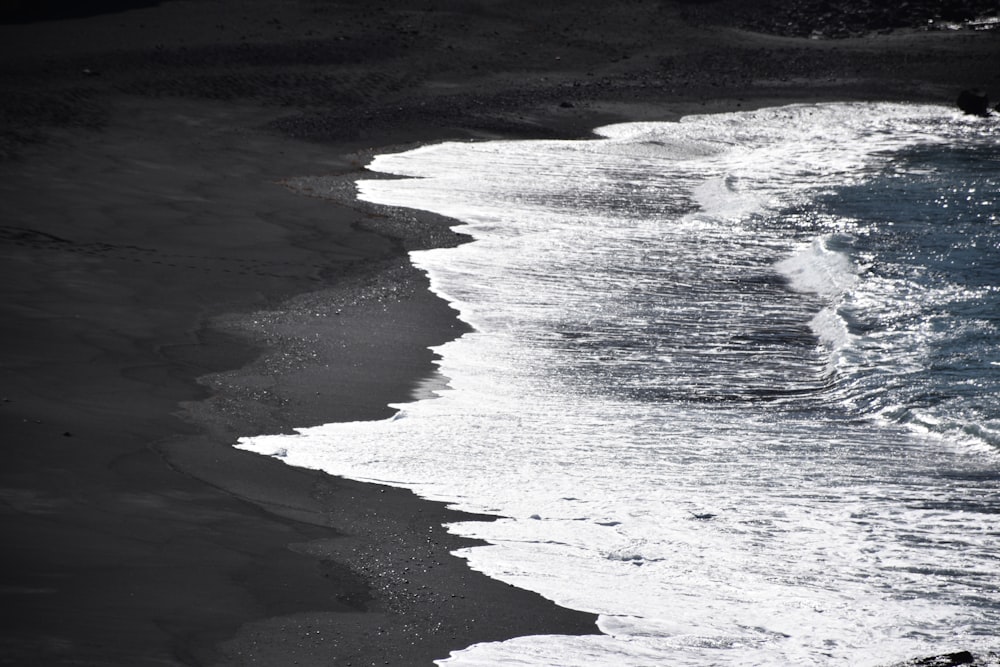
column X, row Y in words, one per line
column 974, row 102
column 946, row 660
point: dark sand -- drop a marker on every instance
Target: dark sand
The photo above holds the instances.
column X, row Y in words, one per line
column 157, row 227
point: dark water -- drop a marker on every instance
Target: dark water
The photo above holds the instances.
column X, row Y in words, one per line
column 927, row 316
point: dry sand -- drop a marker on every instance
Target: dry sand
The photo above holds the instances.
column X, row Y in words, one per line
column 157, row 226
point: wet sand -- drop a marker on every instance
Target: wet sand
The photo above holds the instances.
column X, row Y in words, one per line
column 175, row 276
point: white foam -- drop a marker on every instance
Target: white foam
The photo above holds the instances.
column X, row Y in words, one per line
column 720, row 199
column 818, row 269
column 815, row 268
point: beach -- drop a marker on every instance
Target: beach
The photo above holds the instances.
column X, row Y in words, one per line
column 178, row 273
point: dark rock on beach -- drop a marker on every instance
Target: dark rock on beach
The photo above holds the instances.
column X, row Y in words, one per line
column 947, row 660
column 954, row 660
column 974, row 102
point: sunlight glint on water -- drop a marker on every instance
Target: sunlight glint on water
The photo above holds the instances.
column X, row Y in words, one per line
column 713, row 384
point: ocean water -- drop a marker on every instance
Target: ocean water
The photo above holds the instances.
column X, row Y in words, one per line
column 733, row 384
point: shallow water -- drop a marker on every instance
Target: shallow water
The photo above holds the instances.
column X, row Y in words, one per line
column 734, row 382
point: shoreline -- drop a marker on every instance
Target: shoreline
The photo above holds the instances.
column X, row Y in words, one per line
column 150, row 192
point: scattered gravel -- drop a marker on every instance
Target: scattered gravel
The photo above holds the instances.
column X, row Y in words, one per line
column 846, row 18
